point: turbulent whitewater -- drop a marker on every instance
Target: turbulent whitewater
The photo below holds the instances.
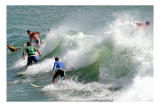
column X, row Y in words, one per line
column 107, row 57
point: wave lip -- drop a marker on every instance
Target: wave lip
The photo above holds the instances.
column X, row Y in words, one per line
column 112, row 66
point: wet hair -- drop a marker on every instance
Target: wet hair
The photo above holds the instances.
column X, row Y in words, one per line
column 28, row 43
column 147, row 22
column 8, row 45
column 28, row 31
column 56, row 58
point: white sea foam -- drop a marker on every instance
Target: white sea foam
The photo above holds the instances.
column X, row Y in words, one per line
column 124, row 54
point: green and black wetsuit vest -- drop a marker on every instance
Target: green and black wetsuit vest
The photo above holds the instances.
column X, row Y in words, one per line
column 30, row 50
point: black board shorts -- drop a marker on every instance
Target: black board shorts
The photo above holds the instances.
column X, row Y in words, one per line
column 59, row 72
column 37, row 41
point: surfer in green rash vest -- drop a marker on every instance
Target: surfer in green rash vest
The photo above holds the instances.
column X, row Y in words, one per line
column 31, row 54
column 13, row 49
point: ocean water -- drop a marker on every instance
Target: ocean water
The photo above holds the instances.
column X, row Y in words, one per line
column 107, row 57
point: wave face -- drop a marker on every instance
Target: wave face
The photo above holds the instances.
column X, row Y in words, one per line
column 106, row 56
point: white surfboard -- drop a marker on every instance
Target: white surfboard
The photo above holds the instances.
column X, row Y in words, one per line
column 36, row 86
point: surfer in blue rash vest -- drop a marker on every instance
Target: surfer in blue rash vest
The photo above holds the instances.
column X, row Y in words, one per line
column 60, row 69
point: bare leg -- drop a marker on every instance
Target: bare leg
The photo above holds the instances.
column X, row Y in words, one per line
column 64, row 78
column 26, row 66
column 53, row 80
column 39, row 44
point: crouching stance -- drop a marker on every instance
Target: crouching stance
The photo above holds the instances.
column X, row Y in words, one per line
column 31, row 54
column 60, row 69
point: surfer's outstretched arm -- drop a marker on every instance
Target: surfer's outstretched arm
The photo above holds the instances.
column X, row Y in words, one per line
column 37, row 33
column 38, row 52
column 24, row 51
